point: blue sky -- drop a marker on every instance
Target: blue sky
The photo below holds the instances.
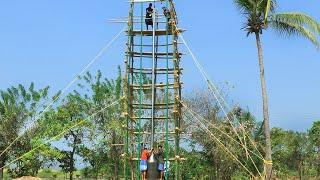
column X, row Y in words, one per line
column 48, row 42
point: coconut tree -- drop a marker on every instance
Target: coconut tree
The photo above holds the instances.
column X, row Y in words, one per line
column 261, row 15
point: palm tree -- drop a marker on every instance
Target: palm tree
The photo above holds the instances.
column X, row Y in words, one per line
column 260, row 15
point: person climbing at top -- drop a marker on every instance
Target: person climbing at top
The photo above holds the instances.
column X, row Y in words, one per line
column 143, row 162
column 166, row 13
column 160, row 159
column 149, row 13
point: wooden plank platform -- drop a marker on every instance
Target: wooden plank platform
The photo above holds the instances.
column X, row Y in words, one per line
column 143, row 1
column 159, row 32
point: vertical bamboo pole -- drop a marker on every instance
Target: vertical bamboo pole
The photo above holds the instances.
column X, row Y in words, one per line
column 128, row 91
column 167, row 97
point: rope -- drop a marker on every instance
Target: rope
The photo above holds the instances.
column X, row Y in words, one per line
column 214, row 90
column 222, row 146
column 214, row 126
column 100, row 53
column 216, row 94
column 200, row 68
column 60, row 134
column 217, row 128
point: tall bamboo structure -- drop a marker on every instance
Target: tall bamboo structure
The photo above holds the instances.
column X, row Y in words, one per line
column 153, row 86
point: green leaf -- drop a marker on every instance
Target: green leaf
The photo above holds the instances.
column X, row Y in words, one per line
column 267, row 11
column 294, row 23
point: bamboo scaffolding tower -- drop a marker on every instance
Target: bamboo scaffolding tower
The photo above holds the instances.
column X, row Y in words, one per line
column 153, row 86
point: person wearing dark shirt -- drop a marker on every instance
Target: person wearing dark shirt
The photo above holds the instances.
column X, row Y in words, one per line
column 149, row 20
column 166, row 13
column 160, row 158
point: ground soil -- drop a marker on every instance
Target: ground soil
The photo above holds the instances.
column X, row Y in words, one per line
column 28, row 178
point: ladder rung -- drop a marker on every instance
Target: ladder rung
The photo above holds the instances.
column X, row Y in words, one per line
column 148, row 118
column 150, row 45
column 142, row 1
column 170, row 159
column 157, row 70
column 155, row 133
column 156, row 104
column 157, row 86
column 158, row 108
column 117, row 144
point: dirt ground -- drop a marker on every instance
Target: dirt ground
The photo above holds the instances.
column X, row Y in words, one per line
column 28, row 178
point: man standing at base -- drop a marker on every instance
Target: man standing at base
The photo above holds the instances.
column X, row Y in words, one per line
column 160, row 160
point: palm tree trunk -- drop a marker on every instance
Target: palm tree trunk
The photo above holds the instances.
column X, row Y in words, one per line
column 268, row 165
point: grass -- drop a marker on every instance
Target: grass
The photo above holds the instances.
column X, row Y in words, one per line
column 48, row 174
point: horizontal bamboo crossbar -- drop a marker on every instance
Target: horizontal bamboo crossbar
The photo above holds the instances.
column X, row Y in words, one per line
column 143, row 1
column 155, row 133
column 156, row 71
column 148, row 107
column 156, row 104
column 159, row 57
column 157, row 54
column 117, row 144
column 159, row 45
column 157, row 86
column 149, row 118
column 170, row 159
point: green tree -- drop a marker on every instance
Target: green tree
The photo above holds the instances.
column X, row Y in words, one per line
column 73, row 110
column 108, row 123
column 314, row 134
column 18, row 106
column 292, row 23
column 290, row 153
column 98, row 159
column 219, row 164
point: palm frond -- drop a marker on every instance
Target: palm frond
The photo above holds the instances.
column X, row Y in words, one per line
column 300, row 19
column 268, row 8
column 296, row 24
column 245, row 6
column 255, row 7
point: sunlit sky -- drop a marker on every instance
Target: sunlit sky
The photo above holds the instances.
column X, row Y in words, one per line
column 48, row 42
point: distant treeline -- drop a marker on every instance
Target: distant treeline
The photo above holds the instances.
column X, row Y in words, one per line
column 24, row 111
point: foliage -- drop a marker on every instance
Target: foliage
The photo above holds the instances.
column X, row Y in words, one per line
column 18, row 107
column 261, row 15
column 286, row 23
column 314, row 135
column 296, row 154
